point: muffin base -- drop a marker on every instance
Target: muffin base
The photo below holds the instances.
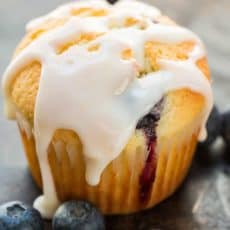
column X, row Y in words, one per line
column 119, row 189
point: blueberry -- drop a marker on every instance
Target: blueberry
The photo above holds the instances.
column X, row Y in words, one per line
column 148, row 125
column 213, row 127
column 204, row 156
column 18, row 216
column 112, row 1
column 225, row 130
column 149, row 122
column 79, row 215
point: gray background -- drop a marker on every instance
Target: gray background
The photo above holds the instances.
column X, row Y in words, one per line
column 203, row 202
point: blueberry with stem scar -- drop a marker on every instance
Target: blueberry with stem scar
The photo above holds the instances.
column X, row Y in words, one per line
column 79, row 215
column 18, row 216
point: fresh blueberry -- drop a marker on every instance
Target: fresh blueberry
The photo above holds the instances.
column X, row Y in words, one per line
column 213, row 127
column 18, row 216
column 225, row 131
column 204, row 156
column 112, row 1
column 79, row 215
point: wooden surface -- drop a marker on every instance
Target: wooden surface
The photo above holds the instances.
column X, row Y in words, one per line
column 203, row 201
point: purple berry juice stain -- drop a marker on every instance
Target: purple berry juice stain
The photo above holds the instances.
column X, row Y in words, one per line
column 147, row 177
column 148, row 174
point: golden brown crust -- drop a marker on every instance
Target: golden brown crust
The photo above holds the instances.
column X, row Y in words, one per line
column 24, row 89
column 181, row 106
column 36, row 33
column 157, row 50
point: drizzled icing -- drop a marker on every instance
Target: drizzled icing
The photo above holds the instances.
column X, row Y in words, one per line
column 97, row 94
column 124, row 7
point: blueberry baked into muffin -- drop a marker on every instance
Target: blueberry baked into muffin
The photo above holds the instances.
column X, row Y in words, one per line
column 110, row 101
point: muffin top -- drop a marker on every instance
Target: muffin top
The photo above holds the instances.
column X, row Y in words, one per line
column 97, row 69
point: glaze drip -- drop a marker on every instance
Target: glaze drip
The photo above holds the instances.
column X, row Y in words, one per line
column 98, row 94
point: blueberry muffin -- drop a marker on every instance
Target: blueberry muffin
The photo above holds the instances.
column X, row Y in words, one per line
column 110, row 102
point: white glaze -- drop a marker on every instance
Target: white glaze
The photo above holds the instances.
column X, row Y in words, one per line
column 24, row 124
column 97, row 94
